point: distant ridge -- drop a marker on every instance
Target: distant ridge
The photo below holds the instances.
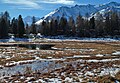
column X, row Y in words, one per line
column 83, row 10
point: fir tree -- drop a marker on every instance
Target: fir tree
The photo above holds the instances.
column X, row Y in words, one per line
column 21, row 29
column 14, row 26
column 3, row 28
column 80, row 25
column 63, row 25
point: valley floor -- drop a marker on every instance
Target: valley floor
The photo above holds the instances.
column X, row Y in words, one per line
column 68, row 61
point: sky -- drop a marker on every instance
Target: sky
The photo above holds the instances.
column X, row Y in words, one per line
column 40, row 8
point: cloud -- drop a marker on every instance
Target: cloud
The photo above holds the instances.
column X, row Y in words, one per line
column 66, row 2
column 23, row 4
column 35, row 4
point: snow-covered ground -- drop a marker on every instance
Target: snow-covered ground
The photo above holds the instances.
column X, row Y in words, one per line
column 60, row 38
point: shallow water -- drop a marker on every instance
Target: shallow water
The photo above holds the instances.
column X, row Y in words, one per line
column 30, row 46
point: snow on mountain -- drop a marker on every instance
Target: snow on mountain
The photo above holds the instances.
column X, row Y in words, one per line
column 83, row 10
column 28, row 19
column 107, row 8
column 109, row 5
column 69, row 11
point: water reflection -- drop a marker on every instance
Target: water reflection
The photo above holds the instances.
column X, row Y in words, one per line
column 30, row 46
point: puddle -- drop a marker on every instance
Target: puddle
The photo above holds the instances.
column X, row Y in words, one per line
column 30, row 46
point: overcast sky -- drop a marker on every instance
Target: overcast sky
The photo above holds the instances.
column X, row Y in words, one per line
column 40, row 8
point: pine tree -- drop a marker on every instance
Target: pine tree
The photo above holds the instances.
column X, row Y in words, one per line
column 27, row 30
column 14, row 26
column 55, row 27
column 3, row 28
column 92, row 27
column 6, row 16
column 51, row 27
column 114, row 23
column 63, row 25
column 44, row 28
column 92, row 23
column 80, row 25
column 21, row 29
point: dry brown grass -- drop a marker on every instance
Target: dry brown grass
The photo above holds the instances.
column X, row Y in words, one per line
column 117, row 76
column 99, row 48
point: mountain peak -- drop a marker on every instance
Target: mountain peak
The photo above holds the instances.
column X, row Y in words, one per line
column 113, row 4
column 83, row 10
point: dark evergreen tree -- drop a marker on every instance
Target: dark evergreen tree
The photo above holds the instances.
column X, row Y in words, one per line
column 92, row 23
column 80, row 26
column 6, row 17
column 21, row 29
column 63, row 26
column 14, row 26
column 27, row 30
column 3, row 28
column 51, row 27
column 92, row 27
column 44, row 28
column 55, row 27
column 114, row 23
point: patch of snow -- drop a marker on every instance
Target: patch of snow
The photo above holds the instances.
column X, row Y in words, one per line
column 78, row 56
column 68, row 79
column 2, row 56
column 30, row 50
column 37, row 58
column 116, row 53
column 11, row 40
column 28, row 79
column 99, row 55
column 103, row 60
column 49, row 57
column 110, row 71
column 40, row 80
column 62, row 39
column 89, row 73
column 54, row 80
column 1, row 66
column 17, row 81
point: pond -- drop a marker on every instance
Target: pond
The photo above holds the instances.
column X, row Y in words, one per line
column 30, row 46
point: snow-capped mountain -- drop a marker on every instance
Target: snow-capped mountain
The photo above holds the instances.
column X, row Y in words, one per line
column 109, row 5
column 84, row 10
column 28, row 19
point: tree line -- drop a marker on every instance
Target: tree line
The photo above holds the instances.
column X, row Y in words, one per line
column 16, row 26
column 98, row 26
